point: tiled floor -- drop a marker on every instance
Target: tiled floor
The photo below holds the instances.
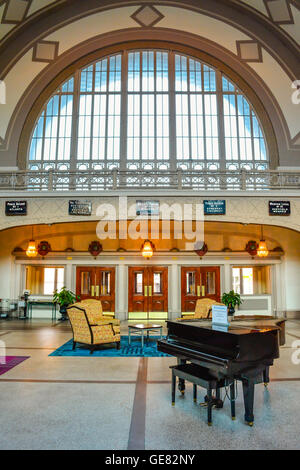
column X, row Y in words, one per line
column 119, row 403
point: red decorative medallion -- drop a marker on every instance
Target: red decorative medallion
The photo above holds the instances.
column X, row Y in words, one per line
column 43, row 248
column 203, row 250
column 252, row 247
column 95, row 248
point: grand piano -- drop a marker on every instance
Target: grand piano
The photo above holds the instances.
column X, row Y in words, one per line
column 243, row 351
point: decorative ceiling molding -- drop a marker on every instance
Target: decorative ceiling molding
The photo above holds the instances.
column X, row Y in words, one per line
column 15, row 11
column 45, row 51
column 147, row 16
column 249, row 51
column 279, row 11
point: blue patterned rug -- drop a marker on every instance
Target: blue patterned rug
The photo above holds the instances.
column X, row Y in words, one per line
column 109, row 350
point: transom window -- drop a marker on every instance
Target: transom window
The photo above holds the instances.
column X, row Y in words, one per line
column 148, row 110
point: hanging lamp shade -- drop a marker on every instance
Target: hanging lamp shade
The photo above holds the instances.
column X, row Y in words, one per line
column 31, row 251
column 147, row 249
column 262, row 250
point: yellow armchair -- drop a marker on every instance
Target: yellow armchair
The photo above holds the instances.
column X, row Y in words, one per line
column 203, row 309
column 94, row 312
column 84, row 332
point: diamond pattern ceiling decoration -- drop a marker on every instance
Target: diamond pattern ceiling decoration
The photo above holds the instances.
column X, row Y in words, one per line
column 147, row 16
column 279, row 11
column 15, row 11
column 249, row 51
column 45, row 51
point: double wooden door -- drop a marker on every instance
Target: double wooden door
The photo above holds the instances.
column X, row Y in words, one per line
column 97, row 283
column 148, row 290
column 198, row 283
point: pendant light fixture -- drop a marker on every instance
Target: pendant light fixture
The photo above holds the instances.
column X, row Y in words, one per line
column 31, row 251
column 262, row 250
column 147, row 249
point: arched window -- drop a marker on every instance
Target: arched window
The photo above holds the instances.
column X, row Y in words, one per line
column 148, row 110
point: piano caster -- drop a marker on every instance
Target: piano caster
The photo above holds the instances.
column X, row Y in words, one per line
column 173, row 403
column 266, row 384
column 233, row 418
column 182, row 393
column 209, row 424
column 250, row 423
column 195, row 400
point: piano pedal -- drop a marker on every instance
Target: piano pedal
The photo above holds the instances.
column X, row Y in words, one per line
column 182, row 393
column 266, row 384
column 204, row 404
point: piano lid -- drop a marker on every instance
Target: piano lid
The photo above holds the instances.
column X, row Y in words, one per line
column 231, row 329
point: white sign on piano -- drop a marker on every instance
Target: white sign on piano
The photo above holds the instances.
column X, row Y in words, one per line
column 219, row 315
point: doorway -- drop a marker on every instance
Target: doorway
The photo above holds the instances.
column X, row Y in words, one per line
column 148, row 293
column 97, row 283
column 198, row 283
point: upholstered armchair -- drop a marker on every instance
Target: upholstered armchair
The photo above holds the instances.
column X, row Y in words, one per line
column 203, row 309
column 85, row 332
column 94, row 311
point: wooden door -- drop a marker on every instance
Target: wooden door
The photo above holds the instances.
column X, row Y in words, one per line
column 138, row 290
column 199, row 283
column 157, row 289
column 97, row 283
column 148, row 291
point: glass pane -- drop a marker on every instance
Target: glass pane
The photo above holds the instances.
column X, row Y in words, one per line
column 211, row 283
column 157, row 283
column 105, row 283
column 236, row 280
column 191, row 283
column 138, row 283
column 49, row 281
column 85, row 282
column 247, row 274
column 60, row 278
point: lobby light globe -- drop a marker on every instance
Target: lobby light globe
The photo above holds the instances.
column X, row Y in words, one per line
column 31, row 251
column 262, row 250
column 147, row 249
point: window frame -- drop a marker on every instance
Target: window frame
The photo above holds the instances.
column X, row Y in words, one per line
column 173, row 163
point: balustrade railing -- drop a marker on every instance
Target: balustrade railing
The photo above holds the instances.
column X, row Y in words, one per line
column 90, row 180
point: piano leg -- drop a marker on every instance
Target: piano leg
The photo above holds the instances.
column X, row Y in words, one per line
column 195, row 392
column 209, row 406
column 217, row 402
column 266, row 376
column 232, row 401
column 181, row 382
column 173, row 388
column 248, row 391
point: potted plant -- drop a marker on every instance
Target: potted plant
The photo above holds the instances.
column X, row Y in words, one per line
column 231, row 299
column 64, row 298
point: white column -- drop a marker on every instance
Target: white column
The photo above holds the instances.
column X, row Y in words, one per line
column 226, row 285
column 70, row 284
column 121, row 292
column 174, row 292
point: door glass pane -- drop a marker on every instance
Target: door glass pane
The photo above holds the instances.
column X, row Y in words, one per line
column 85, row 282
column 105, row 283
column 211, row 283
column 138, row 283
column 190, row 283
column 157, row 283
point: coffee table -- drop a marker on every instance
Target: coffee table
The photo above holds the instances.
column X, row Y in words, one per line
column 141, row 328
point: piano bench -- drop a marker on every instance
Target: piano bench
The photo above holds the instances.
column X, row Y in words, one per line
column 201, row 376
